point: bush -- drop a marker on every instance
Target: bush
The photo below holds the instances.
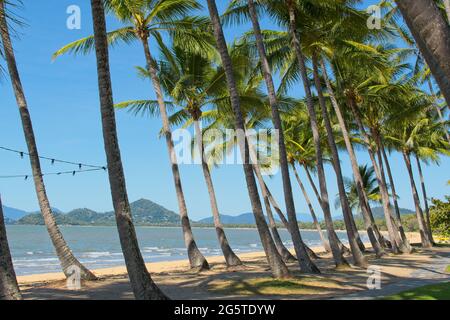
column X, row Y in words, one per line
column 440, row 217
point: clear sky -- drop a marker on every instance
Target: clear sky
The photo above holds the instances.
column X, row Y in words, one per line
column 64, row 106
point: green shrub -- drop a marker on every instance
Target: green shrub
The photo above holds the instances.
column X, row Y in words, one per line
column 440, row 217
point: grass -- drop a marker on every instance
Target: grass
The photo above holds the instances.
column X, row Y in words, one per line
column 447, row 269
column 270, row 286
column 439, row 291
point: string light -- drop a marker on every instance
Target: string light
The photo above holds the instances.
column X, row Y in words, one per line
column 73, row 173
column 53, row 160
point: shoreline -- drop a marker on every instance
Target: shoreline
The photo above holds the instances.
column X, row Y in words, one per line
column 181, row 265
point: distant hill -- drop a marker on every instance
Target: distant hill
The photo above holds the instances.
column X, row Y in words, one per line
column 145, row 212
column 248, row 218
column 378, row 213
column 13, row 214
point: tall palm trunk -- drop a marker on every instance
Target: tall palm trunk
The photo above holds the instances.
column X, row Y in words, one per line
column 424, row 236
column 196, row 258
column 436, row 106
column 316, row 223
column 396, row 243
column 337, row 254
column 142, row 284
column 425, row 198
column 230, row 257
column 275, row 261
column 342, row 247
column 394, row 194
column 372, row 230
column 305, row 262
column 65, row 255
column 284, row 252
column 9, row 289
column 432, row 35
column 352, row 232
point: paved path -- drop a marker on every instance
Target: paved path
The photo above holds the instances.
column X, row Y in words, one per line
column 430, row 274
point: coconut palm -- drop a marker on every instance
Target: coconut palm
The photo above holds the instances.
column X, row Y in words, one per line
column 142, row 284
column 304, row 261
column 370, row 186
column 146, row 20
column 193, row 84
column 434, row 43
column 65, row 255
column 276, row 263
column 417, row 135
column 9, row 289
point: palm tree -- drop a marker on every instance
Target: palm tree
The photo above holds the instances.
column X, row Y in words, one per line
column 193, row 84
column 303, row 258
column 415, row 132
column 434, row 43
column 142, row 284
column 276, row 263
column 9, row 289
column 145, row 20
column 65, row 255
column 357, row 254
column 369, row 184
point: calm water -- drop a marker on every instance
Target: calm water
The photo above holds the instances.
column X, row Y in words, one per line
column 99, row 247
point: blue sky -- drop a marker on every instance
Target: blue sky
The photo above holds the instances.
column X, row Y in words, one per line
column 64, row 106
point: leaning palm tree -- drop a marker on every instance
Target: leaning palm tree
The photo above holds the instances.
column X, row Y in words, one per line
column 9, row 289
column 193, row 83
column 146, row 20
column 276, row 263
column 65, row 255
column 434, row 43
column 141, row 282
column 303, row 258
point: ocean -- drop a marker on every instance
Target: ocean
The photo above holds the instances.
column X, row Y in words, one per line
column 99, row 247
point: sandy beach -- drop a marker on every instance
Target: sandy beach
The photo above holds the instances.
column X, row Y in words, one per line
column 251, row 281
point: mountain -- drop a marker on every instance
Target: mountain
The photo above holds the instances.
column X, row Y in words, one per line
column 248, row 218
column 378, row 213
column 145, row 212
column 13, row 214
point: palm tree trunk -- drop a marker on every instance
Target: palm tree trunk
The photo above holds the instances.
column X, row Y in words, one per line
column 278, row 267
column 362, row 195
column 348, row 215
column 360, row 260
column 65, row 255
column 432, row 34
column 342, row 247
column 305, row 262
column 196, row 258
column 284, row 252
column 436, row 106
column 424, row 236
column 394, row 195
column 316, row 223
column 337, row 254
column 9, row 289
column 142, row 284
column 396, row 243
column 230, row 257
column 425, row 199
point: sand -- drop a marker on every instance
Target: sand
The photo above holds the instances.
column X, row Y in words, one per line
column 252, row 281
